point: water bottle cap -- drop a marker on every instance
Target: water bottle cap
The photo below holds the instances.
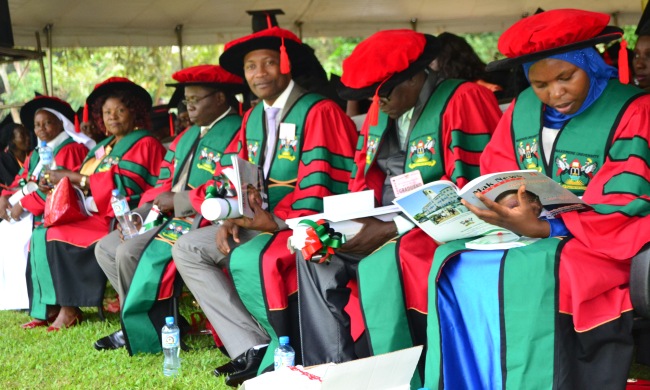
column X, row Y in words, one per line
column 115, row 192
column 284, row 340
column 169, row 321
column 43, row 143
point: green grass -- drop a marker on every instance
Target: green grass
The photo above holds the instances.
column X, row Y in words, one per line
column 35, row 359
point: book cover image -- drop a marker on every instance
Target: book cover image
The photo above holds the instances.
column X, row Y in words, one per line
column 436, row 209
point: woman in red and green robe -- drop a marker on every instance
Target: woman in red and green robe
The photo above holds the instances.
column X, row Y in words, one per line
column 51, row 118
column 64, row 271
column 557, row 313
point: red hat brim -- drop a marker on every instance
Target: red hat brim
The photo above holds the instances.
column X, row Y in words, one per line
column 28, row 111
column 430, row 52
column 119, row 84
column 609, row 33
column 212, row 76
column 232, row 89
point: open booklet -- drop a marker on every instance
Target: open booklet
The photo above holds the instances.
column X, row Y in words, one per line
column 244, row 179
column 437, row 209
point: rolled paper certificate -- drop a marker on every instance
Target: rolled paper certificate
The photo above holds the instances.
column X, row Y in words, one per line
column 25, row 190
column 216, row 209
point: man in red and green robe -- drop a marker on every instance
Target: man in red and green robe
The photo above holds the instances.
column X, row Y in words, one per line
column 438, row 132
column 305, row 155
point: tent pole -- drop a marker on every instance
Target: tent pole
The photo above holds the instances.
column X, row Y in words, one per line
column 414, row 24
column 298, row 25
column 40, row 62
column 179, row 39
column 48, row 31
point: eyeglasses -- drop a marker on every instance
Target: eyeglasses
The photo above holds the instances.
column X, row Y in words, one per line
column 194, row 101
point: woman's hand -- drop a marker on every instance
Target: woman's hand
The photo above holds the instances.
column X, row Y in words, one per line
column 226, row 230
column 372, row 235
column 16, row 211
column 43, row 185
column 4, row 206
column 521, row 219
column 55, row 176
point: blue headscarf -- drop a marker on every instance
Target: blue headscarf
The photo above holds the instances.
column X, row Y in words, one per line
column 599, row 74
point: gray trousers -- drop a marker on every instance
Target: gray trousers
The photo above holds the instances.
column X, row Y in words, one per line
column 119, row 259
column 201, row 265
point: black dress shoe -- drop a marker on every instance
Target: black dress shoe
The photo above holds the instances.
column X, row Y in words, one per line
column 112, row 341
column 253, row 359
column 232, row 366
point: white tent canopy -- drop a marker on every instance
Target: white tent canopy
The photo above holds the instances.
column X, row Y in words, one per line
column 153, row 22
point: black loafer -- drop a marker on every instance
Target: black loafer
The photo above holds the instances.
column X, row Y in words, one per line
column 253, row 358
column 112, row 341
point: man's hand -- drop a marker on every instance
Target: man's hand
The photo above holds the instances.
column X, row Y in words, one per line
column 226, row 230
column 262, row 220
column 521, row 219
column 372, row 235
column 4, row 206
column 165, row 202
column 16, row 211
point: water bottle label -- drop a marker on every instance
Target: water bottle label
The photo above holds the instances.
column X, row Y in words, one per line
column 120, row 207
column 283, row 360
column 170, row 340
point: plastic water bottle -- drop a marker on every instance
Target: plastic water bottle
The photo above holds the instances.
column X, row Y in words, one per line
column 171, row 339
column 123, row 214
column 46, row 156
column 284, row 355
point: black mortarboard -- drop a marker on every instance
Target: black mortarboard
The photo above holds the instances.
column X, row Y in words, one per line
column 643, row 28
column 265, row 18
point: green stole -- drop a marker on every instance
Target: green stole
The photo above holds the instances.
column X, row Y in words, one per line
column 203, row 155
column 282, row 177
column 424, row 143
column 573, row 162
column 208, row 150
column 114, row 158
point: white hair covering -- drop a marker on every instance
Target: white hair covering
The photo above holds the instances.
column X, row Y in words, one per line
column 68, row 127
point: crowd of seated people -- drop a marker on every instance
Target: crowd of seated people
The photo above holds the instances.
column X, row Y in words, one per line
column 391, row 286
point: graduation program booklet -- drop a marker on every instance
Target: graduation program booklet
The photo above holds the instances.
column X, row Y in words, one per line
column 230, row 194
column 436, row 208
column 249, row 178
